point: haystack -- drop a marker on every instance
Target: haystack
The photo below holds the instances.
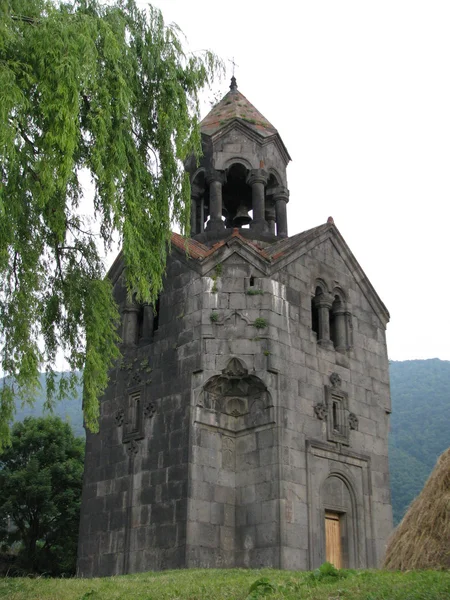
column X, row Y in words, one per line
column 422, row 539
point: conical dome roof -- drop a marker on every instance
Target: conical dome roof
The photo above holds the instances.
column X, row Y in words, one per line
column 235, row 105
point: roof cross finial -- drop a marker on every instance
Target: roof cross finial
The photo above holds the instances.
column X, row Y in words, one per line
column 233, row 86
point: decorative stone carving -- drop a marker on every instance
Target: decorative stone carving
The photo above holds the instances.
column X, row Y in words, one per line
column 119, row 417
column 133, row 448
column 228, row 453
column 321, row 411
column 353, row 421
column 234, row 400
column 133, row 420
column 235, row 368
column 149, row 410
column 235, row 407
column 336, row 401
column 335, row 380
column 136, row 379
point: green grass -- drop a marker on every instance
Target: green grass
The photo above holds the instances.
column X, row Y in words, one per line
column 235, row 584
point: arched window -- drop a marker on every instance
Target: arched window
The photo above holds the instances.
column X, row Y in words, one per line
column 315, row 311
column 320, row 319
column 330, row 318
column 237, row 197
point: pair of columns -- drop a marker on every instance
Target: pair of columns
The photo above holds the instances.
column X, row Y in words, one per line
column 329, row 309
column 257, row 179
column 132, row 314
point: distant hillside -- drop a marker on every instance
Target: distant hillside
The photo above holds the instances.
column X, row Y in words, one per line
column 69, row 409
column 420, row 423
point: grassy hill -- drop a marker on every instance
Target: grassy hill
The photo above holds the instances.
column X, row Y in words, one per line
column 420, row 423
column 237, row 584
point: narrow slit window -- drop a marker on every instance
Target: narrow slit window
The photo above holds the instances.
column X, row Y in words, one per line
column 252, row 281
column 335, row 416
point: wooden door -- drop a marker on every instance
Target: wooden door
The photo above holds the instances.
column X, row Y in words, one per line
column 333, row 539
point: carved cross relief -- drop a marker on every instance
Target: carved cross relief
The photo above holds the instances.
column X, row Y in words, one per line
column 335, row 412
column 131, row 417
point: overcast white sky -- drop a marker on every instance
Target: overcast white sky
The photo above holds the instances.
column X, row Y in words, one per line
column 360, row 93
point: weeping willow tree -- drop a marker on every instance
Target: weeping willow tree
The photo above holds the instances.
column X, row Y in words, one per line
column 103, row 90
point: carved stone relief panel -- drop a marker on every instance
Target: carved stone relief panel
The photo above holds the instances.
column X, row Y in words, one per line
column 234, row 400
column 131, row 416
column 228, row 453
column 335, row 412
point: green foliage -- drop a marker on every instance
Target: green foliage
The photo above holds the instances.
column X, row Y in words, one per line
column 260, row 588
column 260, row 323
column 40, row 490
column 217, row 274
column 99, row 89
column 214, row 317
column 327, row 573
column 254, row 292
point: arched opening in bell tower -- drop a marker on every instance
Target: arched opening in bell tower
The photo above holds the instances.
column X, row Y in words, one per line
column 237, row 197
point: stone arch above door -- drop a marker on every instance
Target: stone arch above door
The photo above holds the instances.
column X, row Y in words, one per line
column 339, row 513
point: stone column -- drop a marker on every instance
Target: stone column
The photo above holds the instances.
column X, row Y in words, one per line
column 258, row 179
column 271, row 220
column 340, row 318
column 349, row 327
column 281, row 197
column 147, row 322
column 324, row 303
column 196, row 200
column 215, row 180
column 130, row 315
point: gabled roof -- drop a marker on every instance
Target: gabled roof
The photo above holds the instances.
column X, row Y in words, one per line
column 271, row 258
column 268, row 258
column 235, row 105
column 197, row 250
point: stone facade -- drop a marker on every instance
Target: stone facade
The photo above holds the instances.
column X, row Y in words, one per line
column 253, row 401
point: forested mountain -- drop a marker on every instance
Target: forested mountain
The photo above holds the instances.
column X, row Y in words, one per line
column 420, row 423
column 69, row 409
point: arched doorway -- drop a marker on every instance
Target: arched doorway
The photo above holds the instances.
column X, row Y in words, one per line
column 339, row 522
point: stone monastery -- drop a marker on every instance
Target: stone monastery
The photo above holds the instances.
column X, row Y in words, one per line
column 247, row 423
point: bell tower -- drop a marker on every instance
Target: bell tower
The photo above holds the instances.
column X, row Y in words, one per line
column 246, row 423
column 241, row 179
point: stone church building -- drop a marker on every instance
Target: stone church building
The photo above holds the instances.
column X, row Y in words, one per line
column 247, row 423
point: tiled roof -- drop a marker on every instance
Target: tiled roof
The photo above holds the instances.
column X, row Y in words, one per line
column 271, row 252
column 197, row 250
column 235, row 105
column 280, row 248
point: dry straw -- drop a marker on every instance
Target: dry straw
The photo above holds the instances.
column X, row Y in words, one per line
column 422, row 540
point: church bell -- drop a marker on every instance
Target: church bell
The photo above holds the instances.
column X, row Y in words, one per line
column 242, row 217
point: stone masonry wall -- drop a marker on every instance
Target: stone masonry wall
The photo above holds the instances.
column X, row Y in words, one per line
column 134, row 502
column 234, row 464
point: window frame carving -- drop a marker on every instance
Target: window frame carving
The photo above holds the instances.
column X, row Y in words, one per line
column 134, row 430
column 336, row 401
